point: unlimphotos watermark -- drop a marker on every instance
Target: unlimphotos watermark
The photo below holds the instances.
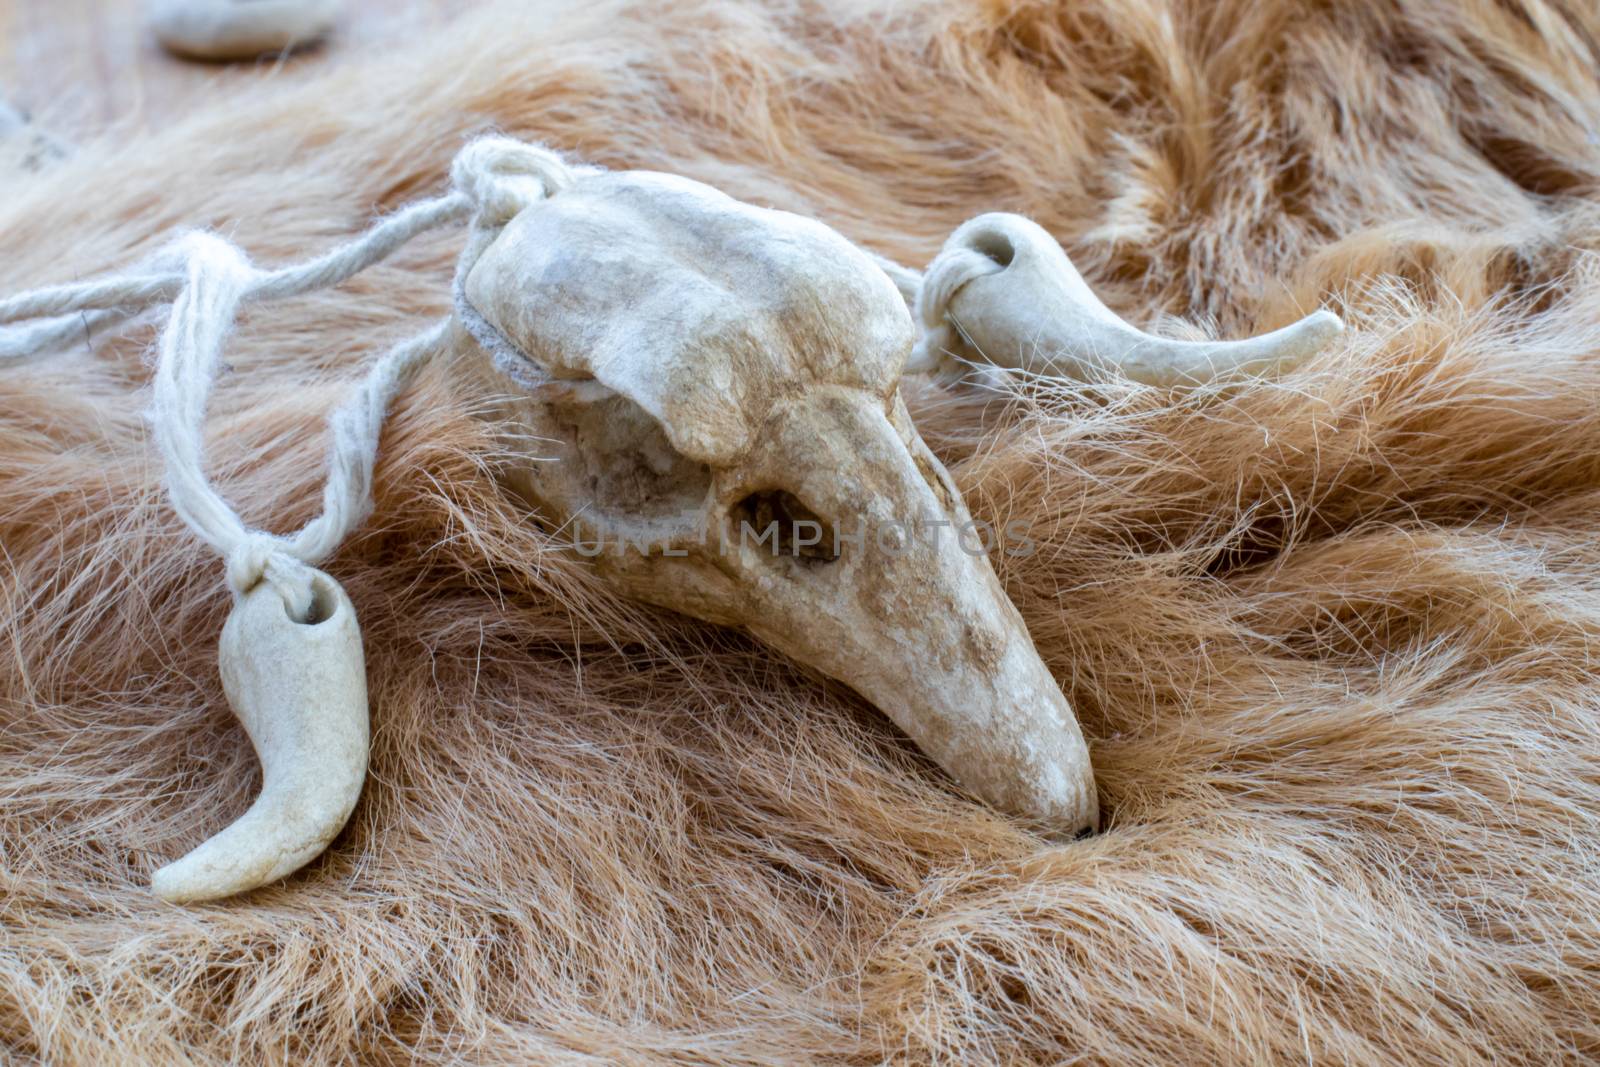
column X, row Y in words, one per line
column 813, row 539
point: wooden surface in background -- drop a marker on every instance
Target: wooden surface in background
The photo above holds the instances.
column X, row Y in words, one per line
column 80, row 66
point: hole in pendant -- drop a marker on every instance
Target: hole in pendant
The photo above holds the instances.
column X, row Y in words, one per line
column 324, row 602
column 996, row 245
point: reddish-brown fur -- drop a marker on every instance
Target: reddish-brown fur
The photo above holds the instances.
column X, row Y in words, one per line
column 1333, row 640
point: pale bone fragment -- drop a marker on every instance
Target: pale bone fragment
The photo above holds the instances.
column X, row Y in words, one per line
column 240, row 29
column 678, row 368
column 299, row 688
column 1002, row 291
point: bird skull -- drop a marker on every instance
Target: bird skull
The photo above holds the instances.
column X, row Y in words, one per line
column 707, row 395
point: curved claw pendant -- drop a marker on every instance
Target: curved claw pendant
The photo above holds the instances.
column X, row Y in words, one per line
column 1002, row 291
column 300, row 689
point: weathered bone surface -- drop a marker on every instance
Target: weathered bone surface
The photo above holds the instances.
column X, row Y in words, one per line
column 300, row 689
column 1002, row 291
column 240, row 29
column 682, row 367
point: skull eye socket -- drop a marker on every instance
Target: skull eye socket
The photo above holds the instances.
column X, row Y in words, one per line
column 778, row 521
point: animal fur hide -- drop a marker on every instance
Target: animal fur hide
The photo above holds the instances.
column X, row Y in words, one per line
column 1333, row 639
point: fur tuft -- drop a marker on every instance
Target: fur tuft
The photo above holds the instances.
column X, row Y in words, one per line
column 1333, row 639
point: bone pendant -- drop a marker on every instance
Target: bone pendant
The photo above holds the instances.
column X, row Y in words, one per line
column 682, row 372
column 300, row 689
column 1002, row 291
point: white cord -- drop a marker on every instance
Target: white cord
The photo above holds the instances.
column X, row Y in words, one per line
column 206, row 279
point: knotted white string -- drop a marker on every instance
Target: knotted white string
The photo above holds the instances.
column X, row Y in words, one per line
column 207, row 279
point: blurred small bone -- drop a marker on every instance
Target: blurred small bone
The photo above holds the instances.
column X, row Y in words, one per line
column 221, row 30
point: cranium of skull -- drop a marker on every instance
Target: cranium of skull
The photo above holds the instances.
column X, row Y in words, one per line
column 717, row 387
